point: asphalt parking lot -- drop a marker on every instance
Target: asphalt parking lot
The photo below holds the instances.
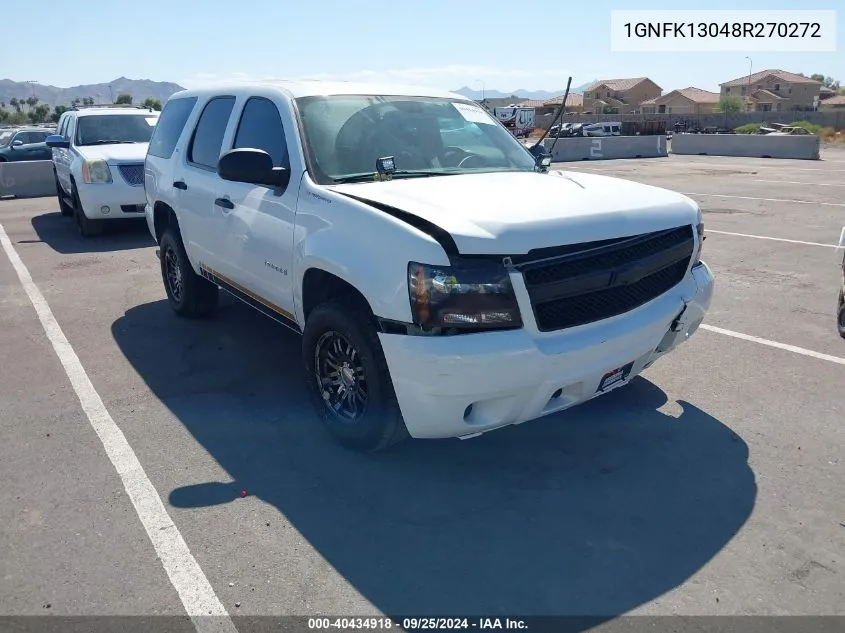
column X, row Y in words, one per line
column 712, row 485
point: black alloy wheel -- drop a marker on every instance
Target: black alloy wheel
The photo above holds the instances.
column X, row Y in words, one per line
column 340, row 376
column 173, row 274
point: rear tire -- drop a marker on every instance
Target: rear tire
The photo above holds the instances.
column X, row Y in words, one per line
column 840, row 314
column 345, row 371
column 188, row 293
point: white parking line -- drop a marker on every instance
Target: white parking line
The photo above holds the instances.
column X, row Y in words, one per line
column 783, row 346
column 776, row 239
column 188, row 579
column 724, row 195
column 754, row 166
column 803, row 182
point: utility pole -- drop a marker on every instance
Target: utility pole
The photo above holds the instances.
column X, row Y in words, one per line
column 750, row 66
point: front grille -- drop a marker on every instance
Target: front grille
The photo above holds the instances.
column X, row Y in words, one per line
column 604, row 279
column 133, row 174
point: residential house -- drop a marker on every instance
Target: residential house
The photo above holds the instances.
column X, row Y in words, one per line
column 833, row 103
column 773, row 91
column 619, row 96
column 826, row 93
column 690, row 100
column 574, row 103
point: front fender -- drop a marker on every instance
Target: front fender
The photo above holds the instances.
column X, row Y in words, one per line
column 363, row 246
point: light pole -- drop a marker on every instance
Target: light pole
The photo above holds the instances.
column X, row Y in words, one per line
column 750, row 66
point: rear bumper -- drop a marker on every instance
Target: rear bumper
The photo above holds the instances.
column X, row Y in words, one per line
column 514, row 376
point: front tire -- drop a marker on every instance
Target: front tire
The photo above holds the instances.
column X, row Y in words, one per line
column 189, row 294
column 85, row 225
column 348, row 379
column 64, row 207
column 840, row 313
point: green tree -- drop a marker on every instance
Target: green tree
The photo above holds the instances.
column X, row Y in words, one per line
column 124, row 99
column 729, row 105
column 4, row 114
column 32, row 101
column 89, row 101
column 827, row 82
column 39, row 113
column 15, row 104
column 58, row 111
column 155, row 104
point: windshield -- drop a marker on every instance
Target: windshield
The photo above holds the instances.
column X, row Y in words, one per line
column 103, row 129
column 344, row 135
column 6, row 137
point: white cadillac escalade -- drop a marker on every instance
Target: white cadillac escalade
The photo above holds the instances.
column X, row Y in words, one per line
column 445, row 283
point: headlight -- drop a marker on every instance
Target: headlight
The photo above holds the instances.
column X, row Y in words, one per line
column 696, row 256
column 94, row 171
column 473, row 294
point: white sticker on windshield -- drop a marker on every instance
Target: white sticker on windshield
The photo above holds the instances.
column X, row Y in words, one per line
column 473, row 113
column 151, row 120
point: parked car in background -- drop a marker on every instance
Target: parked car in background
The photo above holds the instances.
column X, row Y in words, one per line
column 445, row 283
column 98, row 161
column 603, row 129
column 25, row 143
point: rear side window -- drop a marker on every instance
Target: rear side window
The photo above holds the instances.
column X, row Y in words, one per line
column 260, row 127
column 170, row 125
column 208, row 136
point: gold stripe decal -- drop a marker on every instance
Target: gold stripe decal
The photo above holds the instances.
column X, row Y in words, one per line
column 251, row 295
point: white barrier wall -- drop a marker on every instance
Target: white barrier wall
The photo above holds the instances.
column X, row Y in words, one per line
column 606, row 148
column 747, row 145
column 27, row 179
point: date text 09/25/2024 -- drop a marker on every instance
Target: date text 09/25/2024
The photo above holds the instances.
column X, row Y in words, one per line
column 417, row 623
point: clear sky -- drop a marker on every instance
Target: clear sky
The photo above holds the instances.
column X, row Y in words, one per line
column 506, row 45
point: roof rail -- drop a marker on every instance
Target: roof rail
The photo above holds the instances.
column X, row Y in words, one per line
column 111, row 105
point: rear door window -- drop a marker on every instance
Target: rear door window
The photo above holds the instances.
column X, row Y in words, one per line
column 170, row 125
column 207, row 141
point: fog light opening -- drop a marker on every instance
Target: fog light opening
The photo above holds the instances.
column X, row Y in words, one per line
column 557, row 394
column 105, row 210
column 467, row 412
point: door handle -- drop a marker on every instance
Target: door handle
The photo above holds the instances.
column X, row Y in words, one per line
column 180, row 184
column 225, row 203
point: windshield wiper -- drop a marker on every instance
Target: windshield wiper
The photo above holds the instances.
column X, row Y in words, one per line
column 405, row 173
column 109, row 142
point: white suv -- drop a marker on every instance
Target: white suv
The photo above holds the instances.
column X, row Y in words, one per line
column 445, row 283
column 98, row 161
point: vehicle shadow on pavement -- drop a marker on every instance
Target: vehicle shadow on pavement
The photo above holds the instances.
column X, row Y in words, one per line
column 594, row 511
column 60, row 234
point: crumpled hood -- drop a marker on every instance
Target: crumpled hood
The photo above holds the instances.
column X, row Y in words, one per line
column 514, row 212
column 117, row 153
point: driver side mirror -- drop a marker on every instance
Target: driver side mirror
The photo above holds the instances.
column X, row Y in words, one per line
column 57, row 140
column 17, row 143
column 253, row 166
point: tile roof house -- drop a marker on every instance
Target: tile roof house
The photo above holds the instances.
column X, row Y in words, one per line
column 773, row 90
column 620, row 96
column 826, row 93
column 837, row 103
column 574, row 103
column 689, row 100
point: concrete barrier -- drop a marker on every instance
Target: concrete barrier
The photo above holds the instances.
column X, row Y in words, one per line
column 747, row 145
column 606, row 147
column 27, row 179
